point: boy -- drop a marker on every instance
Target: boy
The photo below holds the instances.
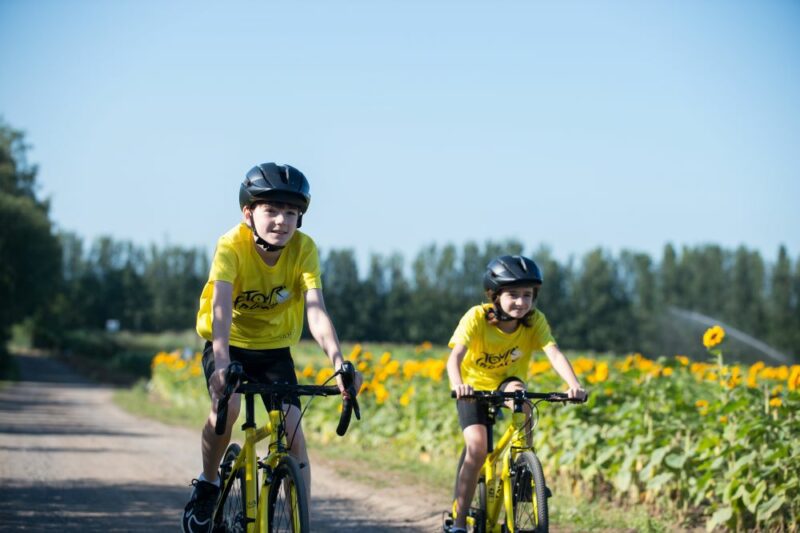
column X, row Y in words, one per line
column 263, row 274
column 491, row 349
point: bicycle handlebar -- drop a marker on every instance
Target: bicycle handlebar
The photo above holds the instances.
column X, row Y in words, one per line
column 497, row 395
column 349, row 402
column 234, row 375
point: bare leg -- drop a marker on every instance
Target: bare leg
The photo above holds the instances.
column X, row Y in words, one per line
column 476, row 446
column 214, row 445
column 297, row 446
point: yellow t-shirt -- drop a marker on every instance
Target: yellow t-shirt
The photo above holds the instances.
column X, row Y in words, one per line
column 493, row 355
column 268, row 302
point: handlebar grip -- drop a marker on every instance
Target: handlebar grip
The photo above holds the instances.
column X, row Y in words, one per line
column 232, row 376
column 348, row 404
column 344, row 418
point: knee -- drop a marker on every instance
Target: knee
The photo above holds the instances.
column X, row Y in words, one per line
column 476, row 452
column 233, row 415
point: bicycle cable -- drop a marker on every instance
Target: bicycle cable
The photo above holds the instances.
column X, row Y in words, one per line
column 303, row 411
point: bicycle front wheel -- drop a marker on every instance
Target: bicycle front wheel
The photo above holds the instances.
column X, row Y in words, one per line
column 287, row 507
column 529, row 495
column 231, row 516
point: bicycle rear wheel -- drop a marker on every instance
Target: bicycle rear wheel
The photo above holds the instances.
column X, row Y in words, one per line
column 476, row 517
column 231, row 516
column 287, row 507
column 529, row 495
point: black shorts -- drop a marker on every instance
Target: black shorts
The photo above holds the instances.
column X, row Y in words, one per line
column 262, row 366
column 471, row 412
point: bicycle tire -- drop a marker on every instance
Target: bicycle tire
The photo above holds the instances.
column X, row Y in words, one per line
column 287, row 507
column 477, row 509
column 529, row 495
column 231, row 515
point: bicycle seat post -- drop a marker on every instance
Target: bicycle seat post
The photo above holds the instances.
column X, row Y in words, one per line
column 249, row 411
column 490, row 421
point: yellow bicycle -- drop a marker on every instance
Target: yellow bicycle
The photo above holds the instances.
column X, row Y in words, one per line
column 268, row 494
column 511, row 480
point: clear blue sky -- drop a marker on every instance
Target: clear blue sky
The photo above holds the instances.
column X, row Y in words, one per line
column 571, row 124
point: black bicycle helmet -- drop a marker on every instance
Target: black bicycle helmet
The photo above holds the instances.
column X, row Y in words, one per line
column 280, row 183
column 510, row 271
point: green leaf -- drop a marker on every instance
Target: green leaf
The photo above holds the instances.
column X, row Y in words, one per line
column 675, row 461
column 623, row 480
column 605, row 455
column 766, row 509
column 659, row 481
column 717, row 463
column 656, row 458
column 741, row 463
column 736, row 406
column 589, row 472
column 752, row 498
column 719, row 518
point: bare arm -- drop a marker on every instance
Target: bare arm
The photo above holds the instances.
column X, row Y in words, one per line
column 321, row 327
column 562, row 367
column 454, row 370
column 222, row 316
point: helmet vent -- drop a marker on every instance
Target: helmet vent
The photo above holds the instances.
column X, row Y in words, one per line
column 284, row 174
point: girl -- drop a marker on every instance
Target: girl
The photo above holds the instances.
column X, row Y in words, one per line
column 491, row 350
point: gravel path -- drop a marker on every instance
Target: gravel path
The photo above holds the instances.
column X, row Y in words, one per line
column 70, row 460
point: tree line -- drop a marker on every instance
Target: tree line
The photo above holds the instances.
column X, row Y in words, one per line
column 601, row 301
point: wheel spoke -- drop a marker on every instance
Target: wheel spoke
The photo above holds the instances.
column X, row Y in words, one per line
column 233, row 502
column 287, row 507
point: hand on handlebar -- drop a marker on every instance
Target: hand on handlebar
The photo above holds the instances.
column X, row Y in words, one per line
column 216, row 383
column 355, row 379
column 463, row 390
column 577, row 393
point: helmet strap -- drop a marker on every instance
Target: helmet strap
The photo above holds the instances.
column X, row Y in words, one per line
column 501, row 315
column 261, row 242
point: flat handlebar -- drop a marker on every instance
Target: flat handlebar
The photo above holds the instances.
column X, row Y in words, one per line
column 497, row 395
column 236, row 382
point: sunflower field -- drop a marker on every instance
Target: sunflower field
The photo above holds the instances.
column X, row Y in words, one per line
column 711, row 443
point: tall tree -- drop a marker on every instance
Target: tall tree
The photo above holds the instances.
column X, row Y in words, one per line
column 783, row 309
column 555, row 300
column 398, row 302
column 745, row 303
column 707, row 283
column 641, row 285
column 343, row 293
column 605, row 318
column 30, row 269
column 670, row 278
column 372, row 307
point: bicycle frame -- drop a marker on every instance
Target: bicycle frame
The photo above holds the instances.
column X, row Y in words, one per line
column 503, row 461
column 256, row 507
column 256, row 513
column 498, row 491
column 496, row 470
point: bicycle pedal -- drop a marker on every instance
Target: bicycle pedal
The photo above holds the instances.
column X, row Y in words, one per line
column 447, row 522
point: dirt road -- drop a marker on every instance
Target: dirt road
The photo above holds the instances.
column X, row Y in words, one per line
column 70, row 460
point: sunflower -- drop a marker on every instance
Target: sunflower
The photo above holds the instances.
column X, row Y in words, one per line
column 713, row 336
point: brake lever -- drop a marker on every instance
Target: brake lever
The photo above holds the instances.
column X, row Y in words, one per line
column 348, row 372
